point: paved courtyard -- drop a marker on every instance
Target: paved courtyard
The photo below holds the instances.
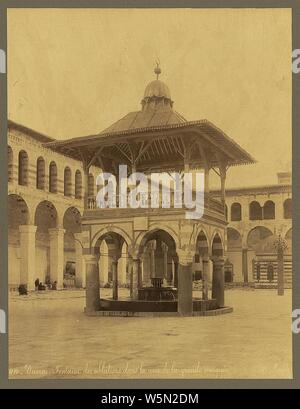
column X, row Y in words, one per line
column 50, row 337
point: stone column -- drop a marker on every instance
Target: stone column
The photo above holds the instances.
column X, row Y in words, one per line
column 57, row 256
column 169, row 270
column 152, row 247
column 92, row 283
column 136, row 278
column 114, row 266
column 79, row 260
column 218, row 282
column 164, row 248
column 175, row 273
column 27, row 255
column 185, row 285
column 205, row 274
column 245, row 264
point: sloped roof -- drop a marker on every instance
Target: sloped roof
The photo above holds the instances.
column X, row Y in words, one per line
column 28, row 131
column 145, row 119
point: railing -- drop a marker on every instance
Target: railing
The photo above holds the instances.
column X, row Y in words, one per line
column 154, row 200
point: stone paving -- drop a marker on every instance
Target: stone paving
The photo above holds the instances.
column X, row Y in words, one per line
column 50, row 337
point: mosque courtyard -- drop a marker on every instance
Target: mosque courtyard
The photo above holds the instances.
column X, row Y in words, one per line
column 51, row 337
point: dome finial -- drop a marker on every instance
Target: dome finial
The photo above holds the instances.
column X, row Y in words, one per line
column 157, row 69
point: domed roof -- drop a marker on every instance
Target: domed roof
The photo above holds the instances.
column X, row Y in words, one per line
column 157, row 88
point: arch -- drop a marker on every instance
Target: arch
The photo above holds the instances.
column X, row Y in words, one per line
column 52, row 177
column 234, row 238
column 78, row 185
column 269, row 210
column 110, row 229
column 260, row 239
column 255, row 211
column 72, row 266
column 40, row 173
column 202, row 244
column 217, row 246
column 287, row 209
column 10, row 164
column 46, row 216
column 72, row 220
column 236, row 212
column 23, row 168
column 143, row 236
column 18, row 211
column 91, row 185
column 67, row 182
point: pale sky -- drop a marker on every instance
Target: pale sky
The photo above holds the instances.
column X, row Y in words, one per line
column 73, row 72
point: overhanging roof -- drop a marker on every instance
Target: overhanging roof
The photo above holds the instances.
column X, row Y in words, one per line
column 164, row 145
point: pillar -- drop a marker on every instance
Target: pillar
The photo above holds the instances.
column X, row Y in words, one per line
column 218, row 281
column 185, row 286
column 92, row 283
column 136, row 278
column 114, row 266
column 57, row 256
column 164, row 248
column 205, row 274
column 245, row 264
column 175, row 273
column 103, row 263
column 27, row 255
column 79, row 260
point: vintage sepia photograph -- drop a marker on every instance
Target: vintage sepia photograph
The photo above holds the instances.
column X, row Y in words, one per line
column 149, row 193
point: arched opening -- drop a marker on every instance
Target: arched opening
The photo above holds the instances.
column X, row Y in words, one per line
column 202, row 266
column 23, row 168
column 18, row 215
column 287, row 209
column 261, row 240
column 111, row 247
column 217, row 246
column 255, row 211
column 40, row 173
column 269, row 210
column 160, row 260
column 78, row 185
column 72, row 262
column 67, row 182
column 52, row 177
column 236, row 212
column 10, row 170
column 91, row 186
column 45, row 219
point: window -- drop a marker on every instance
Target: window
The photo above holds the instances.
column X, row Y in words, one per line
column 236, row 212
column 67, row 182
column 23, row 168
column 40, row 173
column 53, row 177
column 255, row 211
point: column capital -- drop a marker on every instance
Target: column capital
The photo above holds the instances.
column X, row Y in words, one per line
column 27, row 228
column 55, row 231
column 218, row 260
column 91, row 258
column 185, row 257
